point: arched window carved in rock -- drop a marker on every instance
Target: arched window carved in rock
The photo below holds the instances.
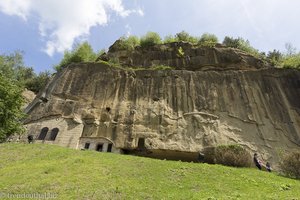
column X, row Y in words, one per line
column 53, row 134
column 43, row 133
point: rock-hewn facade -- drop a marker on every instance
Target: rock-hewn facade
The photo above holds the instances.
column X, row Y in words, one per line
column 171, row 113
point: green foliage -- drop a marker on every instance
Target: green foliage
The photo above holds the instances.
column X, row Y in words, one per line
column 12, row 67
column 231, row 42
column 230, row 155
column 11, row 101
column 240, row 43
column 185, row 37
column 208, row 40
column 180, row 52
column 128, row 43
column 274, row 57
column 38, row 82
column 290, row 164
column 72, row 174
column 169, row 39
column 292, row 61
column 150, row 39
column 81, row 53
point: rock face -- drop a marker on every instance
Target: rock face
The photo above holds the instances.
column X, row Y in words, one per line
column 170, row 113
column 183, row 56
column 28, row 97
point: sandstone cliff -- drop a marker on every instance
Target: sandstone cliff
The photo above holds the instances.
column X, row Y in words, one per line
column 225, row 97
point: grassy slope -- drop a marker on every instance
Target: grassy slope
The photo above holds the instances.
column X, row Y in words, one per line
column 73, row 174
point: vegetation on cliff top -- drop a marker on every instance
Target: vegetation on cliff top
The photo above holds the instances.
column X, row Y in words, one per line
column 73, row 174
column 83, row 52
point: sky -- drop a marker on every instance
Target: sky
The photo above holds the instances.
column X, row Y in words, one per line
column 44, row 29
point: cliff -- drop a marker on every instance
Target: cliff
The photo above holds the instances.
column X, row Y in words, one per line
column 227, row 97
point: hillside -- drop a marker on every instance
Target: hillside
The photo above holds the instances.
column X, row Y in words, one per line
column 74, row 174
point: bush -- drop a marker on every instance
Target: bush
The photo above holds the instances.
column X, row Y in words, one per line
column 290, row 164
column 291, row 61
column 128, row 43
column 274, row 57
column 230, row 155
column 150, row 39
column 169, row 39
column 208, row 40
column 38, row 82
column 240, row 43
column 185, row 37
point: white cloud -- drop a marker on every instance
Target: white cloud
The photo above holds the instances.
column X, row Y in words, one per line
column 15, row 7
column 63, row 21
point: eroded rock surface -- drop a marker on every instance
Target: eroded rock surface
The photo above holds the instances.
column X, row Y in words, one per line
column 183, row 56
column 178, row 110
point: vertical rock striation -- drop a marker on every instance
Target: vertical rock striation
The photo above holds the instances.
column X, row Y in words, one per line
column 178, row 111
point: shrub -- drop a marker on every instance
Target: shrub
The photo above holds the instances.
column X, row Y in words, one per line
column 274, row 57
column 231, row 42
column 180, row 52
column 208, row 40
column 169, row 39
column 230, row 155
column 240, row 43
column 290, row 164
column 291, row 61
column 150, row 39
column 128, row 43
column 185, row 37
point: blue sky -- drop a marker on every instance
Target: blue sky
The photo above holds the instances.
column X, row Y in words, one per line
column 43, row 29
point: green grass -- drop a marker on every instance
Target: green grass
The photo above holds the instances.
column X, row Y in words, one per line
column 74, row 174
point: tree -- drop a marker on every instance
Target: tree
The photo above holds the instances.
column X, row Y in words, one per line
column 11, row 101
column 231, row 42
column 291, row 61
column 275, row 57
column 169, row 39
column 81, row 53
column 290, row 49
column 38, row 82
column 150, row 39
column 240, row 43
column 13, row 67
column 185, row 37
column 129, row 43
column 208, row 39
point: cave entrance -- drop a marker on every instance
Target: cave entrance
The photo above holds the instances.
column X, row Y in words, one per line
column 141, row 143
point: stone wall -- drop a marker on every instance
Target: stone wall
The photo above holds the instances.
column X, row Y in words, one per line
column 68, row 134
